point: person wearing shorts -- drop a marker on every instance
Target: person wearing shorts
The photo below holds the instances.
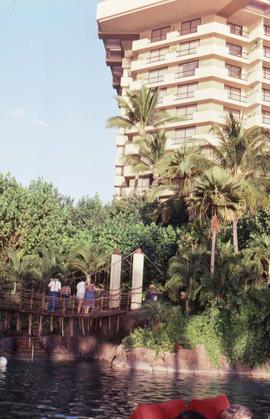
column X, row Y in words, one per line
column 80, row 294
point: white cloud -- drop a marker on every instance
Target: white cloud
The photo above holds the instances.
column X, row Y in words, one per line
column 39, row 123
column 15, row 113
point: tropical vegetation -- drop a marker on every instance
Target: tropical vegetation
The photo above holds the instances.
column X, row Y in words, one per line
column 206, row 246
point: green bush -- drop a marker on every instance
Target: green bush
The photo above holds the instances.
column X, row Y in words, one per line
column 203, row 330
column 162, row 335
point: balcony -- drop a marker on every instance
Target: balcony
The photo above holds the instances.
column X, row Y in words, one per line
column 154, row 60
column 130, row 191
column 175, row 57
column 238, row 76
column 185, row 73
column 177, row 141
column 237, row 97
column 187, row 51
column 119, row 181
column 129, row 172
column 184, row 95
column 203, row 30
column 121, row 140
column 155, row 80
column 266, row 98
column 266, row 119
column 266, row 74
column 131, row 149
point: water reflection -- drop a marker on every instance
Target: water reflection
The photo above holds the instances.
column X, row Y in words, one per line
column 46, row 389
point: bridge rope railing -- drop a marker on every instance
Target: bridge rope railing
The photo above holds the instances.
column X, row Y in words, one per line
column 30, row 301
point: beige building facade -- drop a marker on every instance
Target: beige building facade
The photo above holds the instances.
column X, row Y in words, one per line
column 206, row 57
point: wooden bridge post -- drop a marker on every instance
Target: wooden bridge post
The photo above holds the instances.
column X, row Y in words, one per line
column 18, row 323
column 43, row 302
column 71, row 325
column 51, row 323
column 6, row 321
column 30, row 320
column 137, row 279
column 40, row 325
column 115, row 279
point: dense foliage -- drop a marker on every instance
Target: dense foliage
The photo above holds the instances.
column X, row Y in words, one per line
column 40, row 227
column 207, row 247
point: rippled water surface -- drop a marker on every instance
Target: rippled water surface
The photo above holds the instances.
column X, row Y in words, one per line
column 46, row 389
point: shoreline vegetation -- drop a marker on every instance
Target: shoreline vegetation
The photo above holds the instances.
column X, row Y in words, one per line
column 207, row 246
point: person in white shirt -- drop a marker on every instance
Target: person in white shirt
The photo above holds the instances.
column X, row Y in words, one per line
column 80, row 294
column 54, row 294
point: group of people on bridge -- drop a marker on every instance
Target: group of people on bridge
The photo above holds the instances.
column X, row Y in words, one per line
column 85, row 295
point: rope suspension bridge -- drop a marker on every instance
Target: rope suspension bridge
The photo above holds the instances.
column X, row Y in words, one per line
column 111, row 300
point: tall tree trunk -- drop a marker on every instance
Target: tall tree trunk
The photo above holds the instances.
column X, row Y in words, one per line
column 235, row 235
column 136, row 183
column 268, row 280
column 213, row 252
column 88, row 279
column 187, row 306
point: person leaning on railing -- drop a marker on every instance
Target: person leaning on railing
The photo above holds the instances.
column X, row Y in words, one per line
column 65, row 294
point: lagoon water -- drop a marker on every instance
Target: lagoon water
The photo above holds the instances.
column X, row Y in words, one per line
column 81, row 389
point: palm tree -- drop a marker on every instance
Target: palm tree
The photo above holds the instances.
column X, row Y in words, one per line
column 140, row 112
column 244, row 153
column 186, row 270
column 150, row 155
column 15, row 266
column 52, row 260
column 184, row 166
column 88, row 259
column 261, row 252
column 179, row 169
column 155, row 312
column 216, row 196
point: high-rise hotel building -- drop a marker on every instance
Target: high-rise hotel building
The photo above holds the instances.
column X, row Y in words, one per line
column 207, row 57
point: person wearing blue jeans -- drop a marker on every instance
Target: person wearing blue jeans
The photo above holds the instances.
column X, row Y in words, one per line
column 54, row 294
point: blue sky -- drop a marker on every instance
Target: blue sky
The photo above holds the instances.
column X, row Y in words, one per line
column 55, row 96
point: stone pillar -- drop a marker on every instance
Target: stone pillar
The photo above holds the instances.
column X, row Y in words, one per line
column 115, row 279
column 137, row 279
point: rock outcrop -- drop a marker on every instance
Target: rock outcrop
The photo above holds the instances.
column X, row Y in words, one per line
column 184, row 360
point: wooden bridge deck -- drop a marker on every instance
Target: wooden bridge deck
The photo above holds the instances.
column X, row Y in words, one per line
column 105, row 304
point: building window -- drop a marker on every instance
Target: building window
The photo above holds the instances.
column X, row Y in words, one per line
column 267, row 30
column 234, row 49
column 188, row 48
column 183, row 134
column 234, row 112
column 160, row 34
column 266, row 95
column 187, row 69
column 234, row 93
column 266, row 117
column 142, row 182
column 266, row 73
column 235, row 29
column 161, row 95
column 190, row 26
column 156, row 76
column 186, row 112
column 266, row 52
column 157, row 55
column 234, row 71
column 186, row 91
